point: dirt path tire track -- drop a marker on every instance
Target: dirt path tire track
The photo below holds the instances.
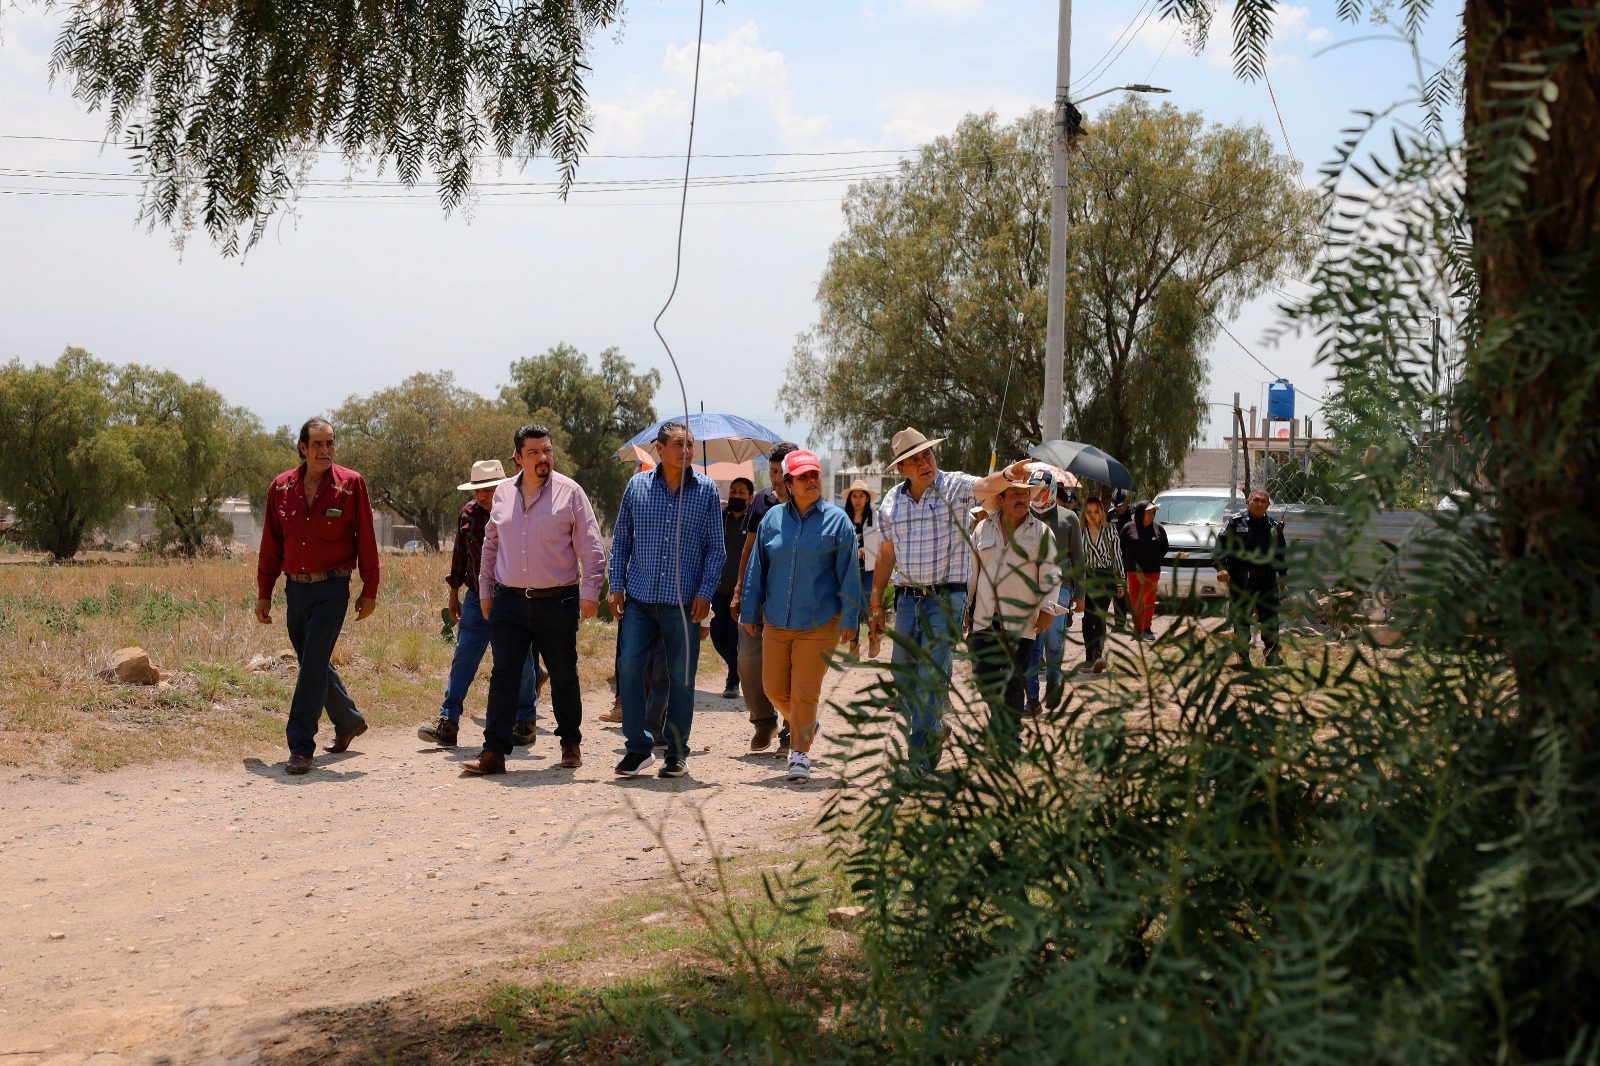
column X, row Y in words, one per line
column 182, row 913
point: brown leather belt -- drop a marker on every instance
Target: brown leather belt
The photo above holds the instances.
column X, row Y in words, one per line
column 538, row 594
column 320, row 575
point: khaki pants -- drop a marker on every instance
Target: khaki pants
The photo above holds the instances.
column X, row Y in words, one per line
column 793, row 662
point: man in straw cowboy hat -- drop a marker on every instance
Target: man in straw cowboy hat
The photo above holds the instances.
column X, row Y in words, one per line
column 543, row 562
column 926, row 524
column 472, row 632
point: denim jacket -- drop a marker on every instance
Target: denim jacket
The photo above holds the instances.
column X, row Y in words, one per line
column 802, row 570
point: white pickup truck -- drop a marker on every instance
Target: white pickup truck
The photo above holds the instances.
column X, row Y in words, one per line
column 1193, row 517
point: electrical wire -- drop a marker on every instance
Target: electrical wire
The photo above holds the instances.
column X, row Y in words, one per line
column 587, row 155
column 677, row 275
column 1131, row 38
column 1078, row 88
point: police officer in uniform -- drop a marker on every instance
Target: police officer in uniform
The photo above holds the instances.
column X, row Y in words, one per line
column 1254, row 559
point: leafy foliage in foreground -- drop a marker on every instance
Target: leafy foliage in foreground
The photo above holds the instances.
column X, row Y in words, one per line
column 227, row 101
column 1378, row 857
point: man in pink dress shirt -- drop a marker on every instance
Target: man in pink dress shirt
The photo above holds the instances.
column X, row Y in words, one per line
column 543, row 561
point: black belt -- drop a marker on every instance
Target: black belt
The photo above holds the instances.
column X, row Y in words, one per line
column 320, row 575
column 537, row 594
column 921, row 591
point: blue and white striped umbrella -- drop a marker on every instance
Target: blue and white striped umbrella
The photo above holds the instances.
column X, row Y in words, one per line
column 718, row 438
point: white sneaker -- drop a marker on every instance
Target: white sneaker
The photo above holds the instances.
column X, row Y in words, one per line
column 799, row 766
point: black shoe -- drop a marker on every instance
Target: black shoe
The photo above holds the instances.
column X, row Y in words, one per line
column 522, row 734
column 731, row 692
column 674, row 768
column 633, row 765
column 443, row 733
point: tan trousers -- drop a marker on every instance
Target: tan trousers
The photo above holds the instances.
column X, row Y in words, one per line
column 792, row 665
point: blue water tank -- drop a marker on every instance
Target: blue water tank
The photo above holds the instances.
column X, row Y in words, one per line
column 1280, row 401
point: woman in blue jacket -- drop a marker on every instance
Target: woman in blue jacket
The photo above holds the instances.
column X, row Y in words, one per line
column 802, row 582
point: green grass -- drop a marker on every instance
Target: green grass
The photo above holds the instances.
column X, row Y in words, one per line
column 610, row 987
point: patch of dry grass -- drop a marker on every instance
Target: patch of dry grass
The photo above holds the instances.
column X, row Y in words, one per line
column 58, row 625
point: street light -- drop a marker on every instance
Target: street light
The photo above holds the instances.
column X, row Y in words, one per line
column 1055, row 329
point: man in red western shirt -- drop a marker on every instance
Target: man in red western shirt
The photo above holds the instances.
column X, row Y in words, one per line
column 316, row 531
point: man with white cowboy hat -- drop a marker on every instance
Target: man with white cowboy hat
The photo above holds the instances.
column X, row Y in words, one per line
column 926, row 524
column 472, row 628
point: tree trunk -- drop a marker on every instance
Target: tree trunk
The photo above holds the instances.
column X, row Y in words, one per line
column 428, row 526
column 1531, row 398
column 67, row 540
column 1535, row 390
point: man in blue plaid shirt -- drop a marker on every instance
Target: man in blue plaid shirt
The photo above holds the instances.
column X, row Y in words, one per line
column 667, row 553
column 927, row 525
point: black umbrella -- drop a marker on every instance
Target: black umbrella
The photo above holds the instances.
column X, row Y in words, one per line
column 1084, row 460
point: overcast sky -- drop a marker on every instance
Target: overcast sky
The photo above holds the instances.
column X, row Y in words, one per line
column 351, row 295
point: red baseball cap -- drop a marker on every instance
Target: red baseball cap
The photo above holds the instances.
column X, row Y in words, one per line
column 797, row 463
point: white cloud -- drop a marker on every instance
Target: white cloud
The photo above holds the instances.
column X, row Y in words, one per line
column 742, row 85
column 914, row 118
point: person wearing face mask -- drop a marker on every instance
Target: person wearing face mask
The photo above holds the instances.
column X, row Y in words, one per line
column 1045, row 653
column 763, row 715
column 724, row 623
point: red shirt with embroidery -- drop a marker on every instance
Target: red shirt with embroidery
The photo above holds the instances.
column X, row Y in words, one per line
column 333, row 533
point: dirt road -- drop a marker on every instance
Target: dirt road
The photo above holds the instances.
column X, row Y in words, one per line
column 186, row 913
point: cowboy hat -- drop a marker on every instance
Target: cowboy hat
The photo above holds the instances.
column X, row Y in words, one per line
column 486, row 474
column 909, row 442
column 858, row 485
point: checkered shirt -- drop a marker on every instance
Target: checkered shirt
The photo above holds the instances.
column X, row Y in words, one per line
column 645, row 536
column 930, row 535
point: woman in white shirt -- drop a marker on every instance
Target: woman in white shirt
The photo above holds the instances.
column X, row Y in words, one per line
column 858, row 505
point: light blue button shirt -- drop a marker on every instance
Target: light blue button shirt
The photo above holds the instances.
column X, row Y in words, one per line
column 803, row 569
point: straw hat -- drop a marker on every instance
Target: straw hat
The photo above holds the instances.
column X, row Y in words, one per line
column 486, row 474
column 858, row 485
column 909, row 442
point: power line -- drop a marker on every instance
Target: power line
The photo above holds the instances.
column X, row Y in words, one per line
column 1118, row 40
column 587, row 155
column 1267, row 79
column 1242, row 348
column 1173, row 36
column 1131, row 38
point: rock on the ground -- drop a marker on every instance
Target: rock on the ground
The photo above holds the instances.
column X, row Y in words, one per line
column 845, row 917
column 131, row 666
column 262, row 663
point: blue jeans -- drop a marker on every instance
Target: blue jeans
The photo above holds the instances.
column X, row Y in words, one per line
column 926, row 629
column 641, row 624
column 315, row 616
column 472, row 640
column 1047, row 650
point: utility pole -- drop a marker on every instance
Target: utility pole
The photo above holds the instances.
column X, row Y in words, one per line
column 1233, row 452
column 1055, row 329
